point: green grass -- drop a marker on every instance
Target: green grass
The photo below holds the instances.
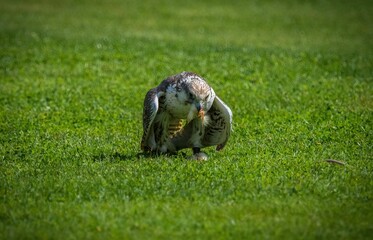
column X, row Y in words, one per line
column 298, row 77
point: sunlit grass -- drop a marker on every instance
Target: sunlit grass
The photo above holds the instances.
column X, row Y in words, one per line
column 297, row 76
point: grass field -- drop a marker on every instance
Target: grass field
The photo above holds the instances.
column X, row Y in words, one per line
column 298, row 76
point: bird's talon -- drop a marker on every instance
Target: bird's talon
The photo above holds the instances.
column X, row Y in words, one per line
column 200, row 156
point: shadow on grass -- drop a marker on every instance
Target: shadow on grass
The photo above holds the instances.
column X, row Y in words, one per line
column 114, row 157
column 132, row 156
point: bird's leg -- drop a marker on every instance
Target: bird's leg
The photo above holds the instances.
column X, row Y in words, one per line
column 198, row 155
column 196, row 150
column 197, row 133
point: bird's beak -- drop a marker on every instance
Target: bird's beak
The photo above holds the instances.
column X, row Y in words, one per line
column 200, row 111
column 198, row 106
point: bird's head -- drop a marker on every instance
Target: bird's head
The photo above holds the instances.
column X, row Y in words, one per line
column 200, row 96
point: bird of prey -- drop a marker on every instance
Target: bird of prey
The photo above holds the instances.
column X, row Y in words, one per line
column 184, row 112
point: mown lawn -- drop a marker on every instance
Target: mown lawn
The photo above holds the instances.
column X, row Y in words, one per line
column 297, row 75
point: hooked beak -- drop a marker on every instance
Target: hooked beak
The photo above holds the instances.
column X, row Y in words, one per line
column 200, row 111
column 198, row 106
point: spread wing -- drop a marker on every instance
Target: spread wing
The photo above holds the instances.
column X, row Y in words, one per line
column 151, row 105
column 219, row 126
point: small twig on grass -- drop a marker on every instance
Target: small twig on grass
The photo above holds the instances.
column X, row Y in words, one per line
column 334, row 161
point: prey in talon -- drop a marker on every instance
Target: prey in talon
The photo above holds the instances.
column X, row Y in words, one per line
column 184, row 112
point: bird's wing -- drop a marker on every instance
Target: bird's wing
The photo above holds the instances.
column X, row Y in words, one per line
column 151, row 105
column 219, row 127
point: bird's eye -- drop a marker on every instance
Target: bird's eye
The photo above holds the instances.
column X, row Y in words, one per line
column 191, row 96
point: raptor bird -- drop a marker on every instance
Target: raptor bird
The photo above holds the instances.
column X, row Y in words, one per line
column 184, row 112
